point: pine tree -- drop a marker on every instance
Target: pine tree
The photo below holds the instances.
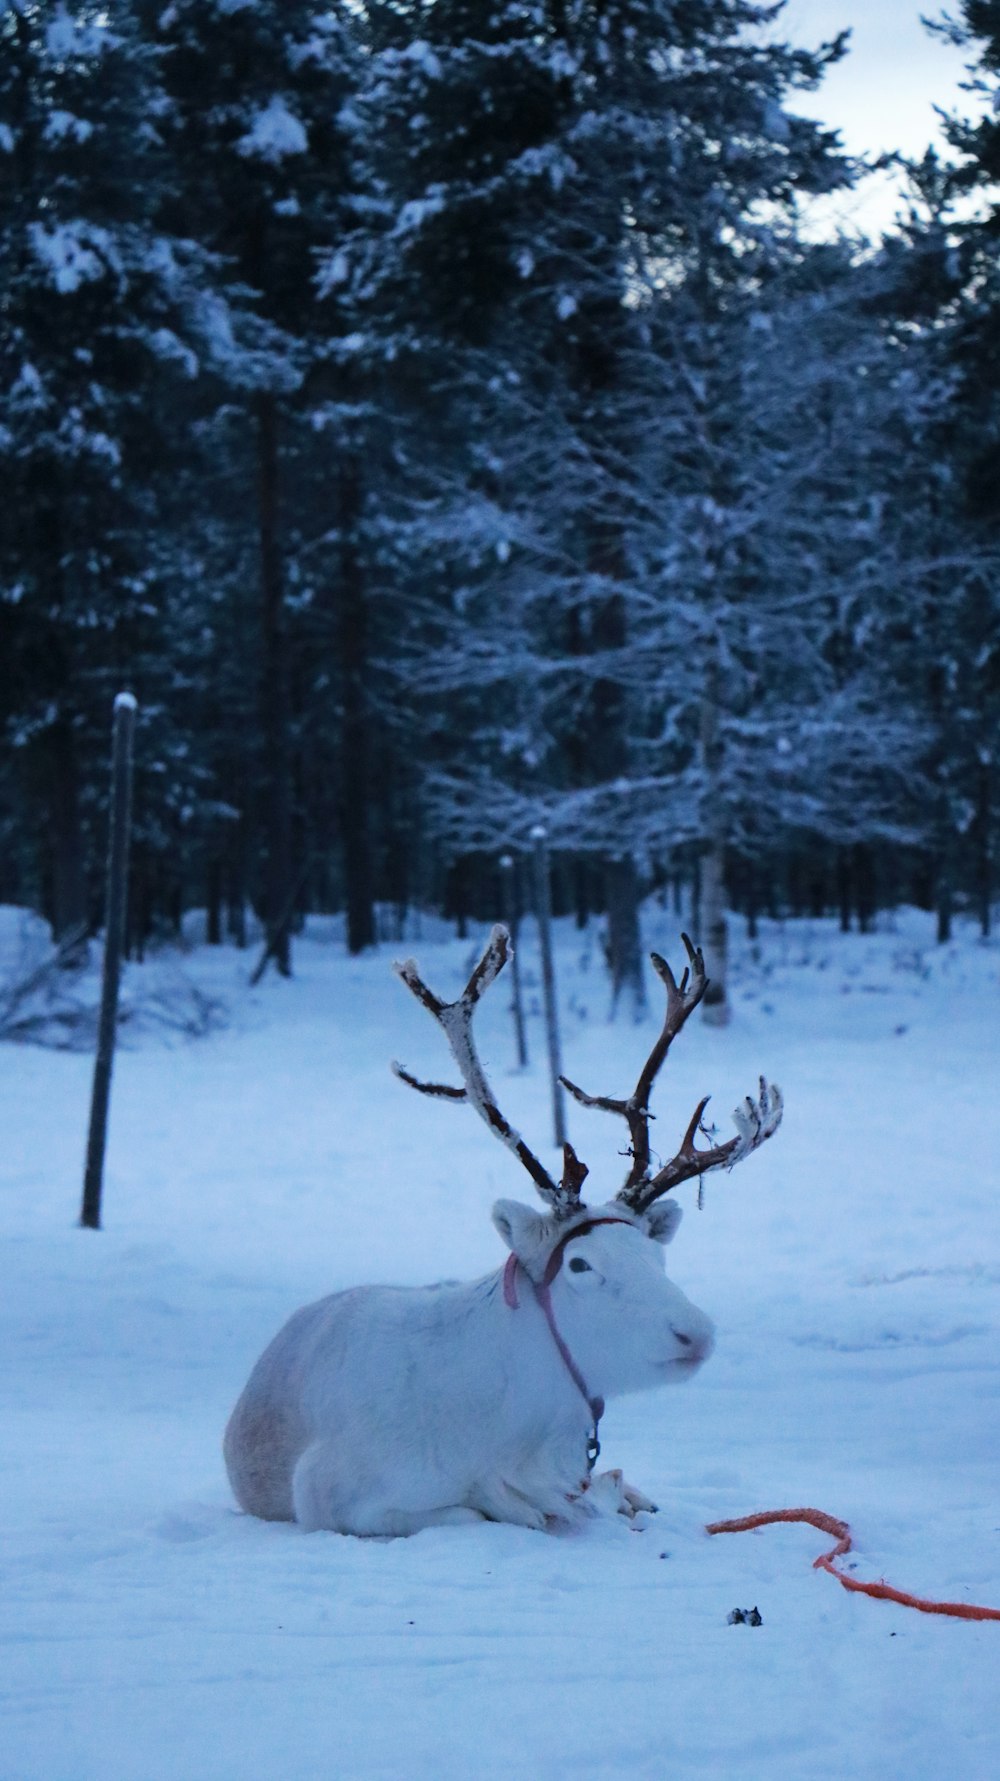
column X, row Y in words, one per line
column 260, row 136
column 950, row 290
column 601, row 242
column 94, row 301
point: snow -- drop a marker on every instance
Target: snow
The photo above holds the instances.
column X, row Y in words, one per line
column 416, row 211
column 337, row 269
column 27, row 391
column 62, row 124
column 169, row 346
column 776, row 122
column 66, row 37
column 853, row 1271
column 274, row 133
column 74, row 253
column 422, row 56
column 548, row 161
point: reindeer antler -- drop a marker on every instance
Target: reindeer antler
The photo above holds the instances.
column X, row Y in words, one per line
column 755, row 1120
column 456, row 1019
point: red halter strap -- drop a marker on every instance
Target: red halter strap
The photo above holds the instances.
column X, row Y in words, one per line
column 543, row 1294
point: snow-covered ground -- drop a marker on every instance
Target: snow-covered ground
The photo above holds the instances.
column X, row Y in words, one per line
column 853, row 1270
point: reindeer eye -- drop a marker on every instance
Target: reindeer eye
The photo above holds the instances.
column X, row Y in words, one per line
column 579, row 1266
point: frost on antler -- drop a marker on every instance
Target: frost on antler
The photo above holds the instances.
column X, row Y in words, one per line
column 456, row 1020
column 755, row 1121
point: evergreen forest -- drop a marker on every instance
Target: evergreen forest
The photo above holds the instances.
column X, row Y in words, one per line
column 447, row 417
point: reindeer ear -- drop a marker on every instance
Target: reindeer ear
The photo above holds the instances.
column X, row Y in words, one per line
column 522, row 1228
column 662, row 1220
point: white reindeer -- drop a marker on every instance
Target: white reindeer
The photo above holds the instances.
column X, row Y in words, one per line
column 383, row 1410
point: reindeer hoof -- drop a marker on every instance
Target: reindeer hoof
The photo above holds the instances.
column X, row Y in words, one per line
column 637, row 1502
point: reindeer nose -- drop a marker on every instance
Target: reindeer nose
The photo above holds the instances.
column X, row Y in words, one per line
column 697, row 1347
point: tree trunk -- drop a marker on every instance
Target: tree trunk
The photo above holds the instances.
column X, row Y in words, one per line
column 213, row 901
column 714, row 937
column 456, row 898
column 174, row 905
column 69, row 879
column 752, row 899
column 844, row 889
column 543, row 912
column 236, row 883
column 355, row 749
column 624, row 936
column 712, row 932
column 864, row 886
column 793, row 879
column 943, row 900
column 139, row 914
column 984, row 850
column 580, row 870
column 511, row 910
column 274, row 693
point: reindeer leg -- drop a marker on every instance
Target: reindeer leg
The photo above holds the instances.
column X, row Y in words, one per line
column 610, row 1495
column 352, row 1498
column 501, row 1502
column 638, row 1502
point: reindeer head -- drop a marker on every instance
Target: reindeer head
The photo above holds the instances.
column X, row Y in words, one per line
column 626, row 1324
column 603, row 1265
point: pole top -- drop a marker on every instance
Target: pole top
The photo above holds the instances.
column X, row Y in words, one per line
column 126, row 702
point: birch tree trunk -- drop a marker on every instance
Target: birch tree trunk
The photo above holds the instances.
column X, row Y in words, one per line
column 511, row 915
column 712, row 931
column 543, row 912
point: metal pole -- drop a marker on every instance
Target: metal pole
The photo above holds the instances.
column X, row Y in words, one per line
column 543, row 911
column 114, row 935
column 510, row 915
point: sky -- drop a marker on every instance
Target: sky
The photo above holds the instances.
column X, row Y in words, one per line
column 883, row 94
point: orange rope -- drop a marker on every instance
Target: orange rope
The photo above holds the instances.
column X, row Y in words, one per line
column 828, row 1524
